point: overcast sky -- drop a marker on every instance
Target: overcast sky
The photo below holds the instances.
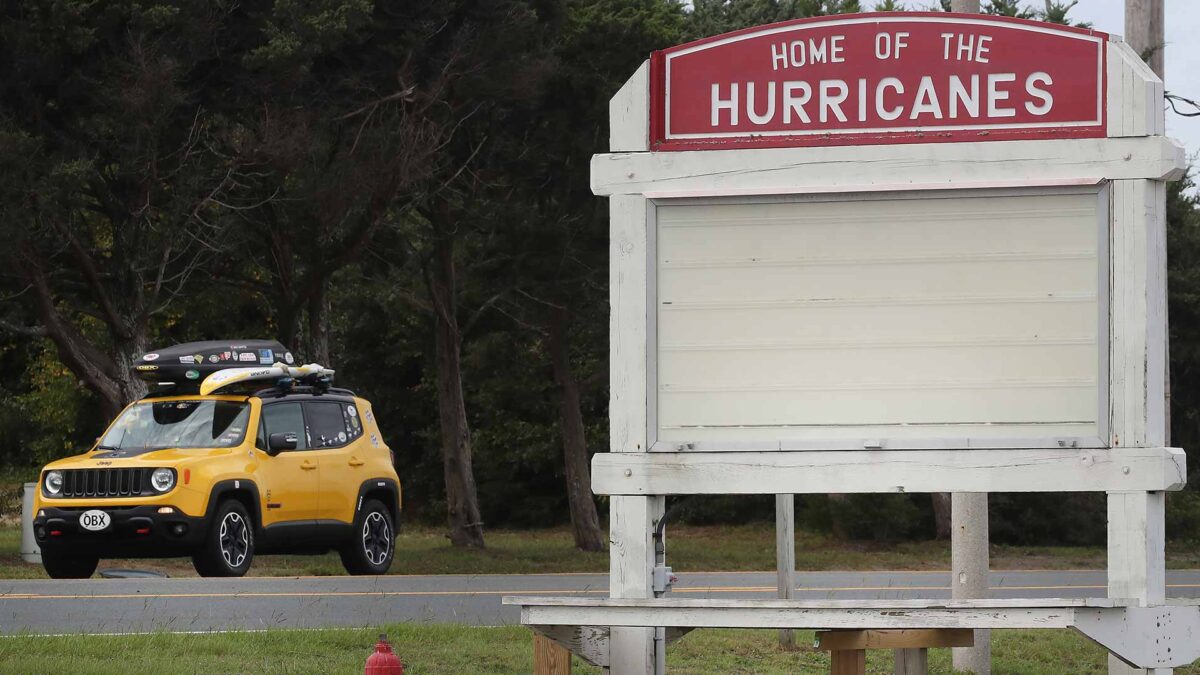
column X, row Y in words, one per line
column 1183, row 55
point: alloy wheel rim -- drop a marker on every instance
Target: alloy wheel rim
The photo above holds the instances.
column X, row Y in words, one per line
column 377, row 538
column 235, row 539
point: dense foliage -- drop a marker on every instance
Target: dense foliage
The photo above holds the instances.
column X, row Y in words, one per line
column 399, row 190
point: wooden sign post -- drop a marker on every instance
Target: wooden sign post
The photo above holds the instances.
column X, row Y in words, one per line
column 887, row 253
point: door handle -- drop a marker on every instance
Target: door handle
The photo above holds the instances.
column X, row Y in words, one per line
column 354, row 461
column 307, row 465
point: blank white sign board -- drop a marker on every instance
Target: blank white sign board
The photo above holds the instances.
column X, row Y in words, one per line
column 966, row 317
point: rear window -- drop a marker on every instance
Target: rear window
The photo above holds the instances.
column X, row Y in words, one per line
column 327, row 426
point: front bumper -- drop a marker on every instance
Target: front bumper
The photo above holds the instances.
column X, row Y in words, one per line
column 135, row 532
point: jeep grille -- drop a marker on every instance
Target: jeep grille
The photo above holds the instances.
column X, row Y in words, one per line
column 104, row 482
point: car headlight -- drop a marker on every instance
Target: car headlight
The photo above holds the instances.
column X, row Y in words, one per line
column 162, row 480
column 54, row 482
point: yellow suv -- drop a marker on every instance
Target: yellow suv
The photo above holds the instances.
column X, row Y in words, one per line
column 294, row 467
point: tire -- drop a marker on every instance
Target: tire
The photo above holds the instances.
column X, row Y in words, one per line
column 60, row 566
column 373, row 544
column 228, row 548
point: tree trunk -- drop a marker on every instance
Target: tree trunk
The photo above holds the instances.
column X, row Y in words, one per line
column 462, row 501
column 318, row 328
column 108, row 375
column 941, row 514
column 584, row 521
column 837, row 504
column 130, row 386
column 288, row 327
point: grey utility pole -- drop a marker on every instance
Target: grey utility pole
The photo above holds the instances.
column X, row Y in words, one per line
column 1144, row 31
column 969, row 556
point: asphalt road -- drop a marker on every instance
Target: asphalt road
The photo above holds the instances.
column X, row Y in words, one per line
column 185, row 605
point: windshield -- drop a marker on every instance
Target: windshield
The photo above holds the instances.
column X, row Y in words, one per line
column 154, row 425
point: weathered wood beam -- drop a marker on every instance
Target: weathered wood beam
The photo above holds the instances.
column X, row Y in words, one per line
column 1149, row 637
column 966, row 470
column 890, row 167
column 794, row 614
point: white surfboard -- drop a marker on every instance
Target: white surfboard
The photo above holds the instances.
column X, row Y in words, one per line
column 224, row 378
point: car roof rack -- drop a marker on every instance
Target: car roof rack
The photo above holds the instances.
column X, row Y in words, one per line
column 285, row 389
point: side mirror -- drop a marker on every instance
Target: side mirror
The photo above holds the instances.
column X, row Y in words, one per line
column 277, row 443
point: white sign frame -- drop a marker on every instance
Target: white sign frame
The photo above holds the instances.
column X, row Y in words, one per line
column 1133, row 163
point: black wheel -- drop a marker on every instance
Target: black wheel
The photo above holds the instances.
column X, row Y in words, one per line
column 60, row 566
column 373, row 545
column 228, row 548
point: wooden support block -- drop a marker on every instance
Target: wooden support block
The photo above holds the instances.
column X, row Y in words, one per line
column 549, row 658
column 912, row 661
column 895, row 639
column 848, row 662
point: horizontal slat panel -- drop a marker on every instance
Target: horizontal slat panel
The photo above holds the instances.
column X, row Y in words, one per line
column 1021, row 402
column 886, row 282
column 878, row 312
column 825, row 367
column 825, row 322
column 845, row 230
column 898, row 436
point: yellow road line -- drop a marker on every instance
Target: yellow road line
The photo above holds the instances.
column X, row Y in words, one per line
column 699, row 589
column 473, row 575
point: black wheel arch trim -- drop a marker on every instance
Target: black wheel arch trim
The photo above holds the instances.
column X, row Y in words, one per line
column 226, row 487
column 388, row 485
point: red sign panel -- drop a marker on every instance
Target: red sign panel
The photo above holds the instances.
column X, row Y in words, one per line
column 879, row 78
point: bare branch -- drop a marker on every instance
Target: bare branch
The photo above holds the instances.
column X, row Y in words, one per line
column 481, row 309
column 27, row 331
column 402, row 95
column 521, row 322
column 92, row 273
column 552, row 305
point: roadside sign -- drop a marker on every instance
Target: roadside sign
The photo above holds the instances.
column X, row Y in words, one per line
column 881, row 78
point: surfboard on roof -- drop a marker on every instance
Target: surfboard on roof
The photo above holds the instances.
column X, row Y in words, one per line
column 232, row 376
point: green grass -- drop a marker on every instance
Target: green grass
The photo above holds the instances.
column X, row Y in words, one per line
column 425, row 550
column 691, row 549
column 445, row 649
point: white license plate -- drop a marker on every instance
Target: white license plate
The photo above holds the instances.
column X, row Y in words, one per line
column 94, row 520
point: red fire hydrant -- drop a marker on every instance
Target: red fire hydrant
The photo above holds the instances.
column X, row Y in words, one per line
column 383, row 661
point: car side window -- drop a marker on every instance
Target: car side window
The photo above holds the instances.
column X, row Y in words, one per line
column 327, row 426
column 281, row 418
